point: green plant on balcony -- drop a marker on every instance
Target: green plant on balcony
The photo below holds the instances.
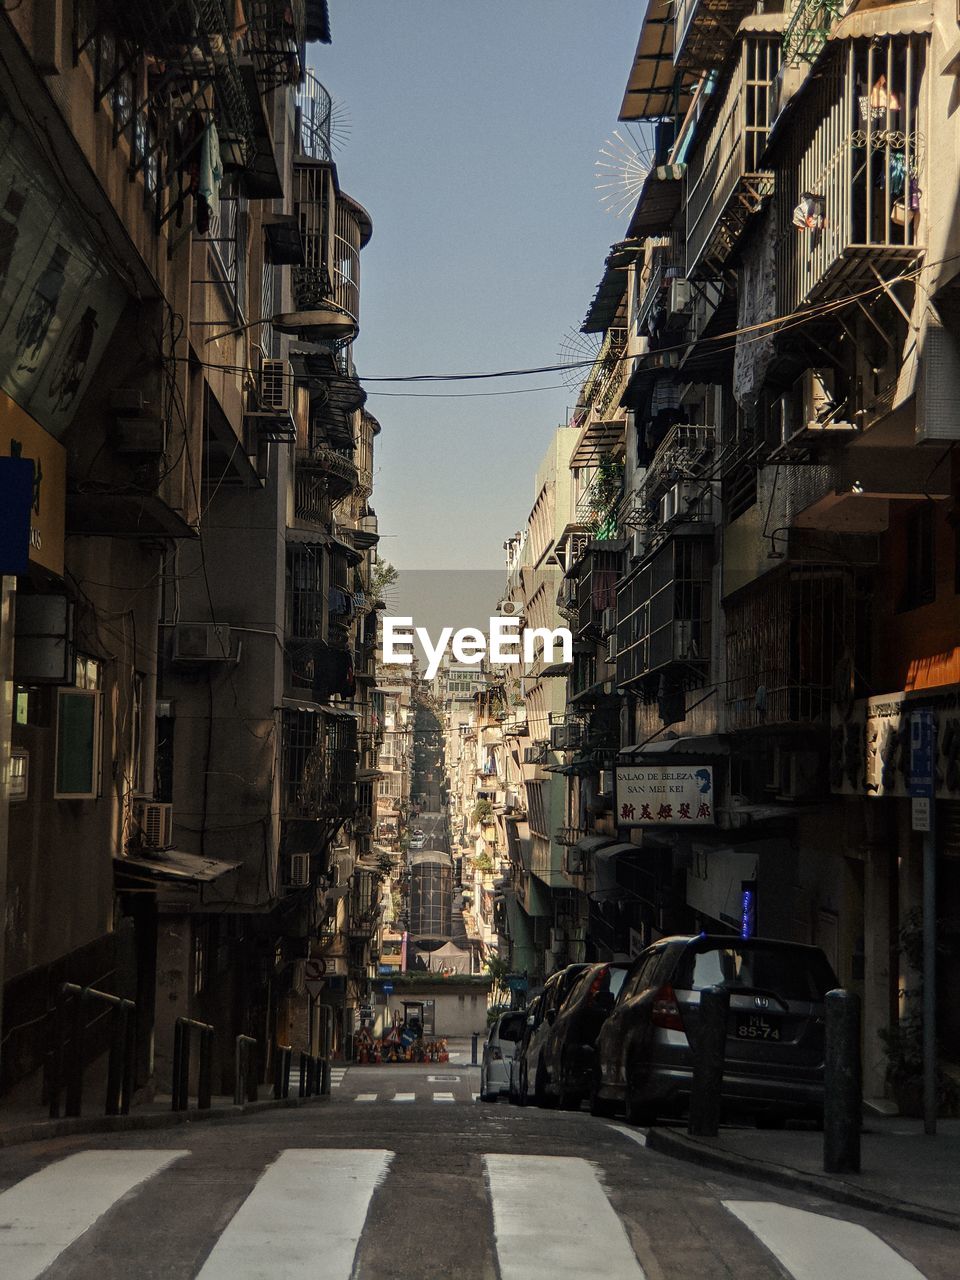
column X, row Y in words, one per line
column 483, row 862
column 482, row 812
column 605, row 493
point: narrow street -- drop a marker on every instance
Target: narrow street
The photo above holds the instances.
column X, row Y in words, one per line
column 404, row 1174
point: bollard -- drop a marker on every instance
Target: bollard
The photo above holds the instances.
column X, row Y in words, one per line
column 325, row 1077
column 69, row 1024
column 205, row 1074
column 74, row 1099
column 304, row 1075
column 283, row 1055
column 245, row 1076
column 120, row 1062
column 473, row 1049
column 180, row 1099
column 709, row 1052
column 842, row 1083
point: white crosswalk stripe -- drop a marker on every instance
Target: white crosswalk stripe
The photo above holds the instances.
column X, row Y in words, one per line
column 812, row 1245
column 365, row 1097
column 336, row 1076
column 404, row 1097
column 444, row 1097
column 42, row 1215
column 307, row 1206
column 534, row 1241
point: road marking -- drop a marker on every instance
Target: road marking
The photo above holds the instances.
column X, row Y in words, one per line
column 404, row 1097
column 633, row 1134
column 306, row 1207
column 42, row 1215
column 444, row 1079
column 365, row 1097
column 444, row 1097
column 812, row 1245
column 536, row 1242
column 476, row 1097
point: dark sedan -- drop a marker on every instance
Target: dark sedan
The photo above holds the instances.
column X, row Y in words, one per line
column 569, row 1048
column 775, row 1029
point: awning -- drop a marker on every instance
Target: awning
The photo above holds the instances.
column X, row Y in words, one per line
column 369, row 775
column 712, row 744
column 871, row 21
column 308, row 537
column 596, row 440
column 556, row 669
column 654, row 90
column 658, row 202
column 317, row 708
column 611, row 851
column 345, row 548
column 590, row 844
column 174, row 864
column 612, row 290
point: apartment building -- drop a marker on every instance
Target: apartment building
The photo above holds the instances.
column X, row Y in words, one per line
column 188, row 800
column 768, row 604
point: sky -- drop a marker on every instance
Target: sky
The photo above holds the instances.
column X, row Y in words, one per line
column 474, row 135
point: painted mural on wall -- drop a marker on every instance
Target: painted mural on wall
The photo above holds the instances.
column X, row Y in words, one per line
column 59, row 303
column 870, row 748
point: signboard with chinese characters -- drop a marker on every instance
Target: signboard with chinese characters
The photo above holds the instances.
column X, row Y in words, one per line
column 665, row 795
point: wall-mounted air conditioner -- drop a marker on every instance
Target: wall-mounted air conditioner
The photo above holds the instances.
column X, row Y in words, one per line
column 299, row 870
column 558, row 737
column 612, row 648
column 202, row 642
column 276, row 385
column 154, row 823
column 609, row 623
column 511, row 608
column 811, row 411
column 642, row 538
column 679, row 297
column 668, row 506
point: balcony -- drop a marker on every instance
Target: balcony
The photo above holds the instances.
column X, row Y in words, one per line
column 705, row 30
column 596, row 578
column 316, row 119
column 784, row 643
column 675, row 489
column 664, row 613
column 727, row 181
column 319, row 764
column 806, row 32
column 600, row 501
column 337, row 467
column 853, row 170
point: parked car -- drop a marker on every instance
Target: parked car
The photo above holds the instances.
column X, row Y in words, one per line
column 498, row 1050
column 533, row 1077
column 418, row 841
column 530, row 1022
column 569, row 1045
column 775, row 1029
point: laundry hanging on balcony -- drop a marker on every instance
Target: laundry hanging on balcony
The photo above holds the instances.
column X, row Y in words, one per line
column 810, row 213
column 209, row 178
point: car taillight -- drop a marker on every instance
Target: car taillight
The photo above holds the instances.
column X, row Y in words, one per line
column 598, row 983
column 496, row 1054
column 666, row 1012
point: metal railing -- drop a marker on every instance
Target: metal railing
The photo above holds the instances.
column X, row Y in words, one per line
column 316, row 117
column 246, row 1087
column 282, row 1058
column 182, row 1035
column 70, row 1026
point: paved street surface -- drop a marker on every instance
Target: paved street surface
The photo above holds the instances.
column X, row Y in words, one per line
column 433, row 826
column 402, row 1174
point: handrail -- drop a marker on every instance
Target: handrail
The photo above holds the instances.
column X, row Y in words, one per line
column 121, row 1061
column 283, row 1056
column 181, row 1064
column 245, row 1086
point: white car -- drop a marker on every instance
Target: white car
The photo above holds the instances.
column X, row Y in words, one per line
column 418, row 841
column 498, row 1050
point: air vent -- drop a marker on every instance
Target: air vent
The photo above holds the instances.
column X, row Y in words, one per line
column 202, row 642
column 154, row 823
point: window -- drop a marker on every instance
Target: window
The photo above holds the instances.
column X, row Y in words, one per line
column 78, row 744
column 920, row 579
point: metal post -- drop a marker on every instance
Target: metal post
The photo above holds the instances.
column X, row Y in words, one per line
column 473, row 1049
column 709, row 1054
column 205, row 1072
column 930, row 976
column 177, row 1055
column 842, row 1087
column 74, row 1103
column 55, row 1058
column 303, row 1075
column 116, row 1060
column 181, row 1065
column 129, row 1057
column 325, row 1077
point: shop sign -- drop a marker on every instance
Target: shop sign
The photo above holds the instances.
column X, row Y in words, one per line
column 899, row 744
column 665, row 795
column 21, row 437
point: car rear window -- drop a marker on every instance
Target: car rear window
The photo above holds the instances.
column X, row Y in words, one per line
column 801, row 974
column 511, row 1027
column 616, row 981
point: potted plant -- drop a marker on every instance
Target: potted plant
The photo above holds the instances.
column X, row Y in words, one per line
column 903, row 1046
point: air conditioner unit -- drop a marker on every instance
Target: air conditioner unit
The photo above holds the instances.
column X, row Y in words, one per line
column 202, row 642
column 668, row 506
column 680, row 297
column 609, row 623
column 558, row 737
column 612, row 648
column 511, row 608
column 642, row 539
column 810, row 413
column 154, row 821
column 276, row 385
column 300, row 869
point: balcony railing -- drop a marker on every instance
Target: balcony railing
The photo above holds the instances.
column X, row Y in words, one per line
column 726, row 180
column 316, row 116
column 319, row 765
column 339, row 468
column 706, row 29
column 607, row 375
column 664, row 612
column 853, row 172
column 808, row 28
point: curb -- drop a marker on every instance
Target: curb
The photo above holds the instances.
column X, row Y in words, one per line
column 68, row 1126
column 682, row 1147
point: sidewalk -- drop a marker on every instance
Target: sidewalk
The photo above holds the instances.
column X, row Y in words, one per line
column 903, row 1171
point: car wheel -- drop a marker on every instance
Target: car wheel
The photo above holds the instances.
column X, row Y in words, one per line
column 569, row 1099
column 540, row 1095
column 599, row 1106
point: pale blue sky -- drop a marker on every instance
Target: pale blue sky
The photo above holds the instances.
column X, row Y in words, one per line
column 474, row 135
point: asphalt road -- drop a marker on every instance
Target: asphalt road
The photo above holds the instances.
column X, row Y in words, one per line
column 433, row 826
column 403, row 1174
